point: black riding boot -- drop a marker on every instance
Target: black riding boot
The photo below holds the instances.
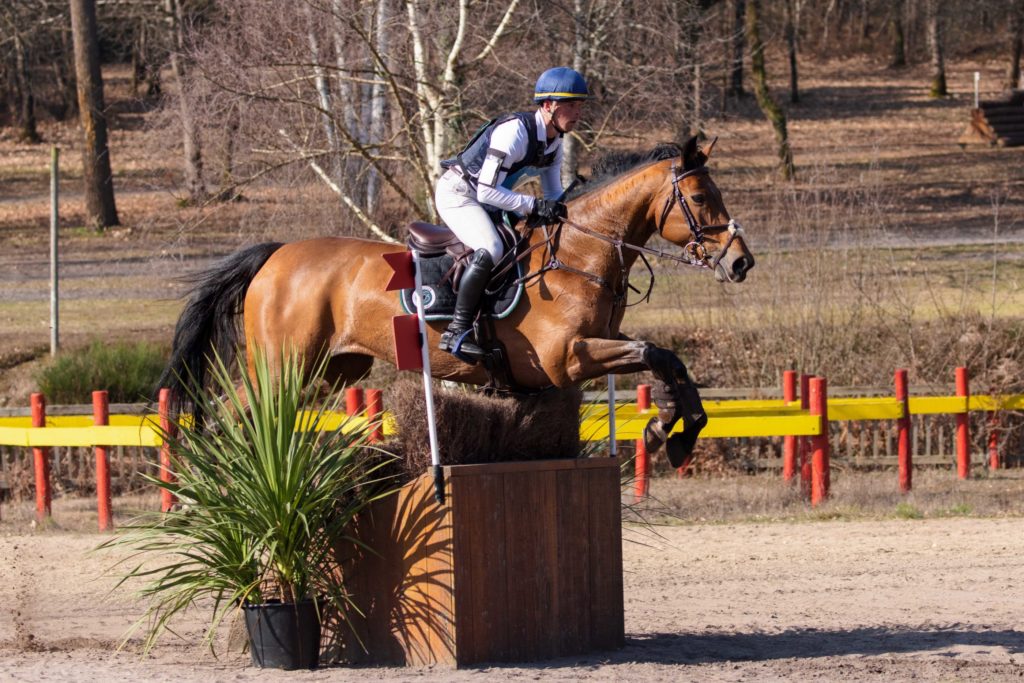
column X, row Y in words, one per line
column 459, row 339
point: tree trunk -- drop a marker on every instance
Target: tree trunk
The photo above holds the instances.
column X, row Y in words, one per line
column 899, row 38
column 791, row 28
column 99, row 181
column 775, row 115
column 227, row 190
column 736, row 72
column 65, row 76
column 26, row 119
column 937, row 87
column 570, row 145
column 378, row 101
column 145, row 70
column 193, row 152
column 1017, row 38
column 826, row 25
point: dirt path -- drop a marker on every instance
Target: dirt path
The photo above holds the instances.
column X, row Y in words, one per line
column 933, row 599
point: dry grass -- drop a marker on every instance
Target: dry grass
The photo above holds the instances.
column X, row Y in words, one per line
column 854, row 495
column 73, row 513
column 703, row 500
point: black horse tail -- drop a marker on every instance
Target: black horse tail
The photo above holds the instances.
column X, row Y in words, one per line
column 209, row 324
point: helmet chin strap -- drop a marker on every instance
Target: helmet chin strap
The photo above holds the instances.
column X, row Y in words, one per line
column 551, row 118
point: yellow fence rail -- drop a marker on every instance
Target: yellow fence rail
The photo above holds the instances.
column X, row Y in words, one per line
column 726, row 419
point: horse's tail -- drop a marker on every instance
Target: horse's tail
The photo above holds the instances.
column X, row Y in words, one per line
column 209, row 324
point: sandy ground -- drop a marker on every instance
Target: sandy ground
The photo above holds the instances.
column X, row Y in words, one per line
column 839, row 600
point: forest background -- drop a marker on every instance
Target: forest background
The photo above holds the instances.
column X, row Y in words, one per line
column 881, row 243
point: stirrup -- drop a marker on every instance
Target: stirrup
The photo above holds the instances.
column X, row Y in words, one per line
column 456, row 348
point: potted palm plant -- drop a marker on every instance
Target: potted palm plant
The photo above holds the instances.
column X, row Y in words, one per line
column 267, row 494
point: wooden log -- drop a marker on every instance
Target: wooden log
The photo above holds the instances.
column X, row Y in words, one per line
column 523, row 563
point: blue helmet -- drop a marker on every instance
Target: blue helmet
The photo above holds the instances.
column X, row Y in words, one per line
column 560, row 83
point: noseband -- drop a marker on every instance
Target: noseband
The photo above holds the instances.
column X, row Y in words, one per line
column 695, row 252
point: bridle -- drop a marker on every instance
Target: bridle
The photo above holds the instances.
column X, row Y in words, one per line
column 694, row 252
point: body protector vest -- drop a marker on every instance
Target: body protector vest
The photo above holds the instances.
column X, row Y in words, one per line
column 471, row 158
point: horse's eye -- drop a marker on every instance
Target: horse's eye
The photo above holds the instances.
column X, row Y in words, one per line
column 697, row 198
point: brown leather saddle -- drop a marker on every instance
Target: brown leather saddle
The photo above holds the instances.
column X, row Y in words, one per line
column 435, row 240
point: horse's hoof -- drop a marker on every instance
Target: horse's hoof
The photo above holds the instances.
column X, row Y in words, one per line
column 654, row 435
column 679, row 447
column 679, row 450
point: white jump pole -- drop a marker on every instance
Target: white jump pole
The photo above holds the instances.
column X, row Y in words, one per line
column 435, row 455
column 613, row 449
column 54, row 220
column 977, row 84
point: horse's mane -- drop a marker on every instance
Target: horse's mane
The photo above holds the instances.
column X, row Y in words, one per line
column 614, row 164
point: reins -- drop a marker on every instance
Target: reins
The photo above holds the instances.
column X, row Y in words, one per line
column 694, row 252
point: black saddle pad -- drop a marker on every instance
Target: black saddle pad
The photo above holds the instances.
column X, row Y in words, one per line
column 439, row 299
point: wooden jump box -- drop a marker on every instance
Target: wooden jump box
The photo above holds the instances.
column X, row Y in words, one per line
column 997, row 122
column 523, row 562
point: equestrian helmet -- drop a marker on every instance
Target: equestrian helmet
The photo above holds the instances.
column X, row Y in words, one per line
column 560, row 83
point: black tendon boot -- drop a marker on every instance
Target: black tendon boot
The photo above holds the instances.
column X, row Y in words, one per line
column 459, row 339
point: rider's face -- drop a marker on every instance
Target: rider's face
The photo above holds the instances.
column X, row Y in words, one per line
column 565, row 114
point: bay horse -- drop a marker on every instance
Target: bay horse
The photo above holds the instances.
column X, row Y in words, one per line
column 329, row 293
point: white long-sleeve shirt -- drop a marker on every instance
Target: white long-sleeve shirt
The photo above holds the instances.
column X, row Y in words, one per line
column 510, row 138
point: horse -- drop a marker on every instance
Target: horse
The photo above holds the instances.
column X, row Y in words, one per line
column 327, row 295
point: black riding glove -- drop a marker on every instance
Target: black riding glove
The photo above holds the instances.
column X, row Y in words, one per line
column 546, row 211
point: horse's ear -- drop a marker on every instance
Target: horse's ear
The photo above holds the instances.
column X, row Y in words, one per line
column 692, row 156
column 711, row 146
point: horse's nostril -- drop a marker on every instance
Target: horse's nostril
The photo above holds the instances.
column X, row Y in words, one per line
column 741, row 265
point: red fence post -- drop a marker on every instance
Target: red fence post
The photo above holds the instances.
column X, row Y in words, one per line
column 353, row 401
column 640, row 486
column 963, row 429
column 168, row 429
column 788, row 442
column 374, row 411
column 41, row 461
column 993, row 440
column 101, row 417
column 804, row 443
column 820, row 453
column 903, row 438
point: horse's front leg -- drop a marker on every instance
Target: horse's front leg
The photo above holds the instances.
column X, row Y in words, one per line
column 675, row 393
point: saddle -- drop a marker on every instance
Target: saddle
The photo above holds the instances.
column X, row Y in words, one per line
column 443, row 257
column 432, row 241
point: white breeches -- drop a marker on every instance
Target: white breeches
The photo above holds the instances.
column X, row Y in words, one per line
column 456, row 202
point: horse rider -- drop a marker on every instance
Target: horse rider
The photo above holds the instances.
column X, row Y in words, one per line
column 483, row 174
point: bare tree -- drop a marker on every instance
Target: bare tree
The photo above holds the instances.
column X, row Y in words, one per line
column 593, row 23
column 772, row 111
column 26, row 119
column 195, row 187
column 792, row 24
column 1016, row 23
column 899, row 40
column 933, row 18
column 738, row 43
column 99, row 182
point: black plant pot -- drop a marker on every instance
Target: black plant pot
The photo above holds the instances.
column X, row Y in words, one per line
column 283, row 635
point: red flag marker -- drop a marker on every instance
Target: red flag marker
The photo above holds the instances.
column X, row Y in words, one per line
column 404, row 276
column 408, row 355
